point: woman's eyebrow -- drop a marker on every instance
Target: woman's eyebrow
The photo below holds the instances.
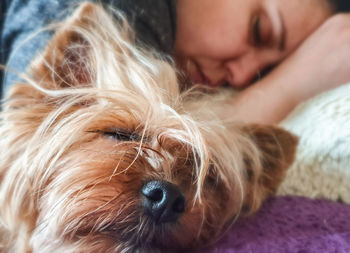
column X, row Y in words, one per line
column 283, row 34
column 278, row 26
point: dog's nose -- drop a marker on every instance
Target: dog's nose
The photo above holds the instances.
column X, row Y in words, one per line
column 163, row 201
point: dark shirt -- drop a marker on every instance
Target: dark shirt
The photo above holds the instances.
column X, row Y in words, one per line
column 341, row 5
column 22, row 20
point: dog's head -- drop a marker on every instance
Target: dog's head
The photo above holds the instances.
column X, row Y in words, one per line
column 102, row 153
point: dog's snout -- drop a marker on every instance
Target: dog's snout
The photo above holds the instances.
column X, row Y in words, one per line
column 163, row 201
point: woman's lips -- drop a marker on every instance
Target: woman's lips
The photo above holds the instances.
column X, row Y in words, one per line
column 197, row 76
column 195, row 73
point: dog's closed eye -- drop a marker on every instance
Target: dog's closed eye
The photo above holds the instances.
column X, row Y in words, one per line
column 120, row 134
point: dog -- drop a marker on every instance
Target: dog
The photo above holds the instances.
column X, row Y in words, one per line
column 101, row 151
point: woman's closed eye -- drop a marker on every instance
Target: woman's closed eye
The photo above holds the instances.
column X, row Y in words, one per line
column 262, row 33
column 256, row 31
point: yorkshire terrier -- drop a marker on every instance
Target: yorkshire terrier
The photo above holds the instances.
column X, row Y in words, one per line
column 101, row 151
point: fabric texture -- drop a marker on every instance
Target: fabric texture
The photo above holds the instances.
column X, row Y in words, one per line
column 21, row 38
column 322, row 166
column 3, row 9
column 290, row 225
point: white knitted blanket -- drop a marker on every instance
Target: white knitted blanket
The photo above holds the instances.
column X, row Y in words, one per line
column 322, row 166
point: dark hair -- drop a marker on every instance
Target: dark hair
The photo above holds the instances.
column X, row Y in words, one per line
column 341, row 5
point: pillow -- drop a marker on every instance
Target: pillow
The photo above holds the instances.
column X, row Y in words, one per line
column 322, row 166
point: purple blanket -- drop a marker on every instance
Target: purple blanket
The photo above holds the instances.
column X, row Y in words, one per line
column 290, row 225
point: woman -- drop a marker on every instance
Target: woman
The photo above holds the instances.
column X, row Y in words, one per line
column 235, row 42
column 217, row 42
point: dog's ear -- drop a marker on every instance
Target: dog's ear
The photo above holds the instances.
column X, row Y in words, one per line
column 277, row 148
column 68, row 60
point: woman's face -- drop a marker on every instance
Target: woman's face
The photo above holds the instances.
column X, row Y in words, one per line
column 235, row 41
